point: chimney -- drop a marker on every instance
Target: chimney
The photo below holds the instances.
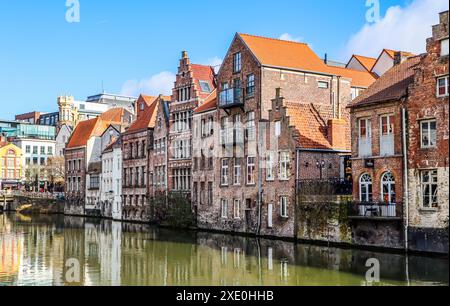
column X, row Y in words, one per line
column 326, row 59
column 337, row 134
column 398, row 58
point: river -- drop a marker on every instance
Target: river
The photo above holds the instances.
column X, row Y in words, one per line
column 70, row 251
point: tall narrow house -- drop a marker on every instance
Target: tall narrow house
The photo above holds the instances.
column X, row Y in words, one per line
column 194, row 83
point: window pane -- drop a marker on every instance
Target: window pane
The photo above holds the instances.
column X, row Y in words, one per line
column 432, row 136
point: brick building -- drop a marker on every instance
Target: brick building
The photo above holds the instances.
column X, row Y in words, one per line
column 378, row 152
column 259, row 157
column 194, row 83
column 205, row 181
column 137, row 145
column 158, row 155
column 400, row 159
column 428, row 140
column 82, row 146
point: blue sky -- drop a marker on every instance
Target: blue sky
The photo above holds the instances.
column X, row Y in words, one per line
column 134, row 45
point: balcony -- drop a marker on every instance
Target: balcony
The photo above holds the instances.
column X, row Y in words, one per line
column 376, row 211
column 230, row 98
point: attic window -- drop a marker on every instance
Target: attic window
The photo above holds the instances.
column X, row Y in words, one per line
column 142, row 106
column 205, row 87
column 323, row 85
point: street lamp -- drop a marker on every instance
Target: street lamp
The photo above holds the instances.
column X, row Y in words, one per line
column 320, row 165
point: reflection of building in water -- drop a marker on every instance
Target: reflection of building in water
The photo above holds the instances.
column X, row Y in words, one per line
column 11, row 246
column 74, row 250
column 102, row 251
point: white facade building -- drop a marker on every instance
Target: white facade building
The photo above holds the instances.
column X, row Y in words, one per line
column 62, row 138
column 111, row 190
column 35, row 154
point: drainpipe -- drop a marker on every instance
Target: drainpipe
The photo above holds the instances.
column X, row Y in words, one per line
column 406, row 183
column 259, row 150
column 297, row 180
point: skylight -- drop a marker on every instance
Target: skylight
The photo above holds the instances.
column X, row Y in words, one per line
column 205, row 87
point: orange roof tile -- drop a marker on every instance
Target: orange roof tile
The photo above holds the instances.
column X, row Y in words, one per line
column 82, row 133
column 358, row 78
column 393, row 85
column 310, row 124
column 299, row 56
column 147, row 118
column 282, row 53
column 203, row 73
column 209, row 104
column 94, row 127
column 366, row 62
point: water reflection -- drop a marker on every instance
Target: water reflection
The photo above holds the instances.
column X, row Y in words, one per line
column 36, row 251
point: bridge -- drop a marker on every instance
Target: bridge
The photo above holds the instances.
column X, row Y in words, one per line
column 5, row 200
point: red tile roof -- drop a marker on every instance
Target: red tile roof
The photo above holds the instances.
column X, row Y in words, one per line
column 393, row 85
column 203, row 73
column 209, row 104
column 147, row 118
column 299, row 56
column 94, row 127
column 311, row 124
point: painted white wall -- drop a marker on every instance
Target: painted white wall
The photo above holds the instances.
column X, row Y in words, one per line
column 61, row 139
column 356, row 65
column 49, row 145
column 117, row 183
column 384, row 63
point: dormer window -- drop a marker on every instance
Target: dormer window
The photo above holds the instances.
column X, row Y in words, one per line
column 205, row 87
column 142, row 106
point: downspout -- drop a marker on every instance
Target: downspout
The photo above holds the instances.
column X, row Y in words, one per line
column 406, row 183
column 258, row 231
column 296, row 194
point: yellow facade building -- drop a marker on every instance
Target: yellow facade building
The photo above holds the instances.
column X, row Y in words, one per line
column 11, row 171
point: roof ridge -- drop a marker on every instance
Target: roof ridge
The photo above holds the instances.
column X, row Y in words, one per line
column 275, row 39
column 357, row 55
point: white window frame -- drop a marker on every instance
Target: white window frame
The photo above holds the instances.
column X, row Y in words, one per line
column 225, row 172
column 433, row 181
column 270, row 163
column 446, row 82
column 237, row 209
column 367, row 184
column 284, row 165
column 428, row 122
column 390, row 186
column 323, row 84
column 224, row 209
column 284, row 205
column 237, row 174
column 251, row 166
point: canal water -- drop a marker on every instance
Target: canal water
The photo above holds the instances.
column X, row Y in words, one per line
column 68, row 251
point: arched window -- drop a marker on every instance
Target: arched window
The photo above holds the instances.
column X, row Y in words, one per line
column 388, row 188
column 365, row 188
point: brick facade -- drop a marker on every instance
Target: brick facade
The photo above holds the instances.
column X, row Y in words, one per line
column 259, row 114
column 187, row 95
column 425, row 104
column 134, row 176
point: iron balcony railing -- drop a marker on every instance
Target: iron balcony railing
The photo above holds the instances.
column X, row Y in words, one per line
column 376, row 210
column 231, row 98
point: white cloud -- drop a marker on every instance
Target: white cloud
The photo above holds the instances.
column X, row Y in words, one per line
column 161, row 83
column 402, row 28
column 289, row 37
column 215, row 62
